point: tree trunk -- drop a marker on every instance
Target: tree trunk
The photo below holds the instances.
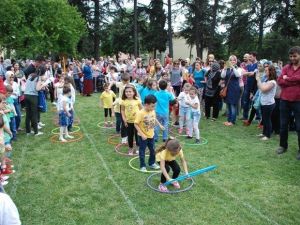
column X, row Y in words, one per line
column 197, row 29
column 213, row 25
column 136, row 51
column 154, row 53
column 170, row 30
column 97, row 29
column 261, row 26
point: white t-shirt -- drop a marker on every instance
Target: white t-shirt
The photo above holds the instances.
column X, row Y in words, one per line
column 9, row 214
column 62, row 100
column 112, row 77
column 193, row 102
column 183, row 98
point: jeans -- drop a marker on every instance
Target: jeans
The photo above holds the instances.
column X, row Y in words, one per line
column 164, row 121
column 78, row 85
column 175, row 167
column 132, row 133
column 118, row 122
column 18, row 111
column 149, row 142
column 232, row 108
column 12, row 126
column 71, row 119
column 193, row 124
column 276, row 117
column 184, row 115
column 246, row 103
column 286, row 107
column 266, row 119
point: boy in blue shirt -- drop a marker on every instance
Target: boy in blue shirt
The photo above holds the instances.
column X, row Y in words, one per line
column 164, row 98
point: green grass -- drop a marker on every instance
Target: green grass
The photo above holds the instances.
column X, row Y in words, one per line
column 88, row 183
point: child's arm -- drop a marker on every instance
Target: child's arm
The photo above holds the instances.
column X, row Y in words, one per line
column 140, row 106
column 123, row 115
column 158, row 123
column 65, row 108
column 7, row 130
column 140, row 132
column 163, row 170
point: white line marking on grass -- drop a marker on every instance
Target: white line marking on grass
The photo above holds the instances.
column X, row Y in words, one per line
column 110, row 176
column 245, row 204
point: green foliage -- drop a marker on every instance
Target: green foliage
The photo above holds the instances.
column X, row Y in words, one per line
column 40, row 27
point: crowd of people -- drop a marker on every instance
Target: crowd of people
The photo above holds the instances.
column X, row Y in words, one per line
column 143, row 100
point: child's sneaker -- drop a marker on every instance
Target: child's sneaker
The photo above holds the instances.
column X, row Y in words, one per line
column 154, row 166
column 62, row 140
column 197, row 141
column 7, row 172
column 162, row 188
column 3, row 183
column 189, row 137
column 143, row 169
column 180, row 130
column 124, row 140
column 135, row 151
column 39, row 133
column 69, row 137
column 41, row 124
column 187, row 131
column 176, row 185
column 130, row 151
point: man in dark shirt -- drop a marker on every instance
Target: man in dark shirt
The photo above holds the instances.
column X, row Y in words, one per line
column 289, row 81
column 33, row 66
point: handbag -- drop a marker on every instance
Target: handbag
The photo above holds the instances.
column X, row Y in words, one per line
column 223, row 92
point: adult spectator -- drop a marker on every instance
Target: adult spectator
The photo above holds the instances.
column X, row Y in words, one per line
column 289, row 81
column 39, row 60
column 175, row 77
column 199, row 77
column 250, row 86
column 231, row 75
column 87, row 79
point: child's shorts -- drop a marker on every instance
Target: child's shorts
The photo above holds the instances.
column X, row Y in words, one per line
column 63, row 119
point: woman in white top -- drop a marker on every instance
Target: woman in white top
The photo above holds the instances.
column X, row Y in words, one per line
column 267, row 99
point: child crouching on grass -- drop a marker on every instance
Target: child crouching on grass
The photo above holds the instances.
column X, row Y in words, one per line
column 166, row 156
column 64, row 107
column 144, row 123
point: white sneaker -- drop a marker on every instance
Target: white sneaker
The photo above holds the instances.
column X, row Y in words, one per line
column 155, row 166
column 4, row 178
column 3, row 183
column 39, row 133
column 62, row 140
column 39, row 127
column 143, row 169
column 69, row 137
column 124, row 140
column 53, row 103
column 41, row 124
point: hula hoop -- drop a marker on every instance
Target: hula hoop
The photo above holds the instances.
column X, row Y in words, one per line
column 54, row 131
column 117, row 149
column 101, row 125
column 137, row 169
column 110, row 141
column 203, row 141
column 54, row 138
column 170, row 191
column 176, row 134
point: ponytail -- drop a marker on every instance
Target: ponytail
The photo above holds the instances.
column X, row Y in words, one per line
column 164, row 146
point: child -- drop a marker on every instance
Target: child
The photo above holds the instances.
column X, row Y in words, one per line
column 130, row 106
column 11, row 111
column 144, row 123
column 64, row 107
column 193, row 123
column 118, row 115
column 70, row 83
column 107, row 99
column 166, row 157
column 149, row 88
column 184, row 109
column 59, row 87
column 164, row 98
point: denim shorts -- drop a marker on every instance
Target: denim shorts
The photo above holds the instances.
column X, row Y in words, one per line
column 63, row 119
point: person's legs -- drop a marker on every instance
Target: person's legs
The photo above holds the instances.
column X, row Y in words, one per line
column 130, row 132
column 151, row 147
column 34, row 115
column 284, row 123
column 190, row 126
column 181, row 117
column 175, row 167
column 246, row 102
column 118, row 122
column 28, row 113
column 296, row 110
column 229, row 113
column 142, row 148
column 216, row 107
column 18, row 111
column 207, row 106
column 157, row 128
column 233, row 113
column 266, row 115
column 12, row 126
column 196, row 119
column 162, row 178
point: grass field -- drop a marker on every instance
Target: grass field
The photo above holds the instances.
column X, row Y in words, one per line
column 88, row 183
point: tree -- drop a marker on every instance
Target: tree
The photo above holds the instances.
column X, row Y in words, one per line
column 170, row 30
column 156, row 38
column 40, row 27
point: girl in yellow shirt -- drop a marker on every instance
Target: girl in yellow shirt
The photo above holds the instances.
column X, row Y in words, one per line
column 166, row 156
column 107, row 99
column 130, row 106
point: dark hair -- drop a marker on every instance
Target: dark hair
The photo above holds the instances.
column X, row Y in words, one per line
column 9, row 88
column 253, row 53
column 163, row 85
column 150, row 99
column 222, row 64
column 66, row 89
column 183, row 63
column 272, row 73
column 150, row 83
column 294, row 50
column 171, row 145
column 69, row 80
column 106, row 85
column 125, row 77
column 133, row 89
column 40, row 58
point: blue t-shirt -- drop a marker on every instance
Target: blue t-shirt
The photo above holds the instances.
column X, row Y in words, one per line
column 251, row 80
column 144, row 92
column 198, row 77
column 163, row 99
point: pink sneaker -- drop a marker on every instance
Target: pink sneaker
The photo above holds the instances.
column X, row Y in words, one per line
column 180, row 130
column 162, row 188
column 130, row 151
column 176, row 185
column 187, row 131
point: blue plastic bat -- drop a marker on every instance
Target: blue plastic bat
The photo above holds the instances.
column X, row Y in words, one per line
column 192, row 174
